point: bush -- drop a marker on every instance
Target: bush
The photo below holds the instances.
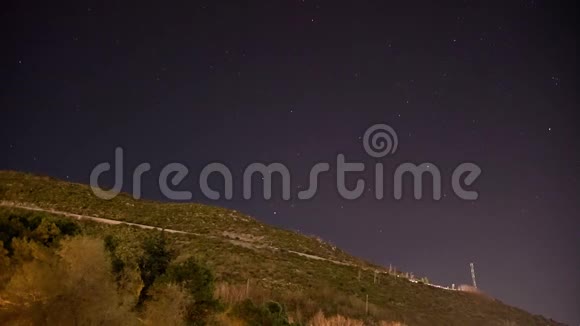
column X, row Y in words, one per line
column 167, row 306
column 38, row 227
column 270, row 314
column 198, row 282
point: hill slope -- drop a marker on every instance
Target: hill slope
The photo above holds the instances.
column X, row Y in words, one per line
column 301, row 272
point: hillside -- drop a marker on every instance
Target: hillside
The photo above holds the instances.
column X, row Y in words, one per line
column 303, row 273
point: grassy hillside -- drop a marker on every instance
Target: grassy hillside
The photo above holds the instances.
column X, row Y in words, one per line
column 263, row 262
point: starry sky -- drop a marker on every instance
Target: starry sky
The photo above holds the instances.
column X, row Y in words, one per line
column 298, row 82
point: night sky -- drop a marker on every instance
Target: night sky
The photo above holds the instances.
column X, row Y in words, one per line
column 298, row 82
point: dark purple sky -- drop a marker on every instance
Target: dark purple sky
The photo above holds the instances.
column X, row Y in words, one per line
column 298, row 82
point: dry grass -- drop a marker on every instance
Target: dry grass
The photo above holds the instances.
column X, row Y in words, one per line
column 390, row 323
column 223, row 319
column 320, row 320
column 230, row 293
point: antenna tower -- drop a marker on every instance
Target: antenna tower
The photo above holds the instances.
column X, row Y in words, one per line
column 473, row 275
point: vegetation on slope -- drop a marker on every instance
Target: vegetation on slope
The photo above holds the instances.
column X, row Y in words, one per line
column 249, row 261
column 59, row 272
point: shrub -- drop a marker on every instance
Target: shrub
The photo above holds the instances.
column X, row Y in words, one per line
column 167, row 306
column 198, row 282
column 38, row 227
column 270, row 314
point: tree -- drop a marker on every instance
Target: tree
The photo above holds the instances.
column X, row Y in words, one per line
column 156, row 258
column 73, row 285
